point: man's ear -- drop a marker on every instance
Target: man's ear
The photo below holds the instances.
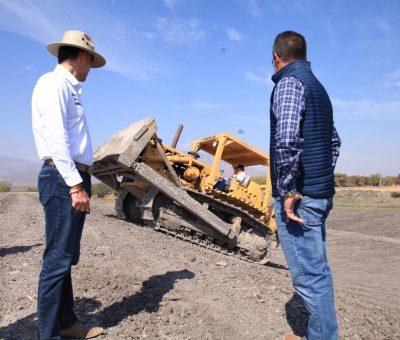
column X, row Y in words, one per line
column 81, row 57
column 278, row 62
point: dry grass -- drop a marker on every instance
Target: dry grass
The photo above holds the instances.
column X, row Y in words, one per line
column 394, row 188
column 379, row 197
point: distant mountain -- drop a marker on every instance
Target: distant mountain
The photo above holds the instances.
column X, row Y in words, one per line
column 19, row 172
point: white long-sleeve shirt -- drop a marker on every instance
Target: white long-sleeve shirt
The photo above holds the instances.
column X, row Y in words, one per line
column 59, row 125
column 240, row 177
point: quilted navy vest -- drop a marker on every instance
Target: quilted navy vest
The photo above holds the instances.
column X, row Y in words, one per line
column 316, row 178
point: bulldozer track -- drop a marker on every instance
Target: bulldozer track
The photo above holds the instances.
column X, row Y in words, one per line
column 205, row 241
column 187, row 235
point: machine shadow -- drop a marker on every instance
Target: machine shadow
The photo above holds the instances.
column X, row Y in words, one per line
column 297, row 315
column 147, row 299
column 17, row 249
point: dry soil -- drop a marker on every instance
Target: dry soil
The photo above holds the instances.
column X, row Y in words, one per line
column 142, row 284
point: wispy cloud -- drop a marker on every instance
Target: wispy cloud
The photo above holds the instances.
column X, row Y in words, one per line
column 136, row 67
column 148, row 35
column 259, row 7
column 27, row 19
column 254, row 7
column 388, row 110
column 371, row 34
column 262, row 76
column 393, row 79
column 126, row 54
column 30, row 69
column 384, row 26
column 180, row 31
column 331, row 33
column 210, row 105
column 234, row 35
column 170, row 3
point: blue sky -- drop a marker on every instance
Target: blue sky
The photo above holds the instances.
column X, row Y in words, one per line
column 207, row 64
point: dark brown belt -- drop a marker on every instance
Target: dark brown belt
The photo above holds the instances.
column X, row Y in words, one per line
column 81, row 167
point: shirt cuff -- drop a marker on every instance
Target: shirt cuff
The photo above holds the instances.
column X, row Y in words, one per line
column 72, row 178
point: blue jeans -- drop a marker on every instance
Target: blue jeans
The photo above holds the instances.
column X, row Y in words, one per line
column 222, row 184
column 63, row 229
column 304, row 246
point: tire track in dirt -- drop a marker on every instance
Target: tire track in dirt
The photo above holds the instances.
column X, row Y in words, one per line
column 364, row 237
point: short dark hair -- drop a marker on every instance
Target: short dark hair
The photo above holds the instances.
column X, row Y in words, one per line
column 240, row 166
column 290, row 45
column 68, row 53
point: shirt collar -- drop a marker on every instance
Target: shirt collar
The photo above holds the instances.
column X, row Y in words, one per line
column 289, row 67
column 68, row 75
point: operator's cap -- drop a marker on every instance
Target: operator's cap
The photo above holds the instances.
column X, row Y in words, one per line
column 80, row 40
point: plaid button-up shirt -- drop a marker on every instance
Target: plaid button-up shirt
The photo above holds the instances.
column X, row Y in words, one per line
column 288, row 106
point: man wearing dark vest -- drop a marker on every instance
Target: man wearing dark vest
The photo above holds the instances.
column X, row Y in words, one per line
column 304, row 147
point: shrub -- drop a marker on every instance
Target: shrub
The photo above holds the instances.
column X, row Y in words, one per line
column 101, row 190
column 389, row 180
column 375, row 179
column 340, row 180
column 353, row 181
column 30, row 188
column 5, row 186
column 396, row 194
column 260, row 179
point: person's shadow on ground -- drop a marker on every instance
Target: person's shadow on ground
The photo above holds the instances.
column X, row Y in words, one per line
column 147, row 299
column 296, row 315
column 17, row 249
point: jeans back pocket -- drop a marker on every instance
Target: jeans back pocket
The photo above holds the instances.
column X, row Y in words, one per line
column 313, row 211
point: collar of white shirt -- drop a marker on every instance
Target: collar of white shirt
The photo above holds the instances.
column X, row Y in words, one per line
column 69, row 76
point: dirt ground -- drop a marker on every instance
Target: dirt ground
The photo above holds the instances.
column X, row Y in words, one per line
column 141, row 284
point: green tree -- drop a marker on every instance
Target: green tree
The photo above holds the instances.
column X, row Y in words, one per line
column 101, row 190
column 375, row 179
column 389, row 180
column 260, row 179
column 5, row 186
column 350, row 181
column 340, row 180
column 30, row 188
column 361, row 181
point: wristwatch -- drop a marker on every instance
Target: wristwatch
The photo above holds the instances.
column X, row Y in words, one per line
column 291, row 193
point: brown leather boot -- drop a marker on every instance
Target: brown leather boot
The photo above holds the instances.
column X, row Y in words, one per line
column 78, row 330
column 292, row 337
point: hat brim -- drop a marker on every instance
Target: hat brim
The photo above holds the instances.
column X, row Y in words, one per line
column 98, row 59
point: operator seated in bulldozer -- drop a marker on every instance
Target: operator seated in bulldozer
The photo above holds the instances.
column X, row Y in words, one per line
column 239, row 175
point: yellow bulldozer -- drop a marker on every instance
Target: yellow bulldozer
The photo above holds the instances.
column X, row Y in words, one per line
column 176, row 193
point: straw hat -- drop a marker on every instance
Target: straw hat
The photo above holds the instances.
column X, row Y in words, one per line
column 80, row 40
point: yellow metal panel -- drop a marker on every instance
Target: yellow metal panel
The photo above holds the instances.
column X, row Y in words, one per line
column 234, row 149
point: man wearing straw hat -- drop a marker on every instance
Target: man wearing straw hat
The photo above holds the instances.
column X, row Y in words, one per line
column 63, row 143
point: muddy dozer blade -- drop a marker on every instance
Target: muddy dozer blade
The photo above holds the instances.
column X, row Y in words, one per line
column 122, row 150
